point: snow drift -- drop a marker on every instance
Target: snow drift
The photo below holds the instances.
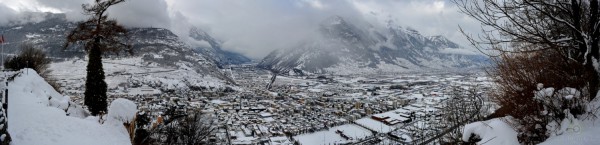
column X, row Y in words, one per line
column 36, row 116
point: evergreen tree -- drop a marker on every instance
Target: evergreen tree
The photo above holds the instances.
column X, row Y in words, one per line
column 99, row 35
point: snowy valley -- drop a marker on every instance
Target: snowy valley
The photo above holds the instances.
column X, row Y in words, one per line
column 307, row 72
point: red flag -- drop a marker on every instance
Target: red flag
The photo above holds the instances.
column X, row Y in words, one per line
column 2, row 40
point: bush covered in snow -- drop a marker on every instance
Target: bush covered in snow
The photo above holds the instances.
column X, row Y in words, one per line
column 545, row 42
column 30, row 57
column 122, row 110
column 184, row 128
column 562, row 86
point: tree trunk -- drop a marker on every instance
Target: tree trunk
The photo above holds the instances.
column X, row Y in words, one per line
column 593, row 83
column 595, row 40
column 95, row 87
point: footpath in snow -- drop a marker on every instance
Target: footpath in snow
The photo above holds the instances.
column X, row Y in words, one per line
column 36, row 116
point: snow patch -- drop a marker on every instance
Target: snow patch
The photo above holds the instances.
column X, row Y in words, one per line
column 122, row 110
column 460, row 51
column 492, row 132
column 32, row 120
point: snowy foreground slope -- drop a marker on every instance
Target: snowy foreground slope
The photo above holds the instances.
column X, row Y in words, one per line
column 493, row 132
column 584, row 131
column 572, row 131
column 36, row 116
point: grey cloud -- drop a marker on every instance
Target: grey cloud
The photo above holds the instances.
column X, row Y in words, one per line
column 132, row 13
column 6, row 14
column 255, row 28
column 430, row 17
column 142, row 13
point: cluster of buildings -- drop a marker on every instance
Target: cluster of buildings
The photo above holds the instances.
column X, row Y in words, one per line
column 299, row 105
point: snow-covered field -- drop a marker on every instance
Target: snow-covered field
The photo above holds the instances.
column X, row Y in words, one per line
column 36, row 117
column 331, row 137
column 374, row 125
column 134, row 69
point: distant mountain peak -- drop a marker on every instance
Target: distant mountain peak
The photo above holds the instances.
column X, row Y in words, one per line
column 334, row 20
column 346, row 48
column 442, row 41
column 158, row 46
column 209, row 46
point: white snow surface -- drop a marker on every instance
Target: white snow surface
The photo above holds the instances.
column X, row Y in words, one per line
column 133, row 69
column 375, row 125
column 33, row 121
column 492, row 132
column 122, row 110
column 331, row 137
column 582, row 131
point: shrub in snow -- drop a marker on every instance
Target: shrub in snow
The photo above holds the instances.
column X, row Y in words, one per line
column 534, row 105
column 554, row 113
column 122, row 110
column 142, row 130
column 569, row 124
column 30, row 57
column 558, row 109
column 181, row 128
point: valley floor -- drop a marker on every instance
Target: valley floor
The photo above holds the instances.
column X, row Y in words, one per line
column 307, row 110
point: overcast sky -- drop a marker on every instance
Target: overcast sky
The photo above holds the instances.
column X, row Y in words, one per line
column 256, row 27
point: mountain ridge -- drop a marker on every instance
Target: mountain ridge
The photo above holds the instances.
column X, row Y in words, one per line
column 345, row 48
column 154, row 45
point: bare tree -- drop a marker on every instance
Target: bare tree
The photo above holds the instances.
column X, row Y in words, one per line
column 463, row 106
column 192, row 129
column 538, row 41
column 100, row 35
column 570, row 27
column 30, row 57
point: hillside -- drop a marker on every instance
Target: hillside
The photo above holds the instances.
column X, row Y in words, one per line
column 341, row 46
column 156, row 48
column 38, row 115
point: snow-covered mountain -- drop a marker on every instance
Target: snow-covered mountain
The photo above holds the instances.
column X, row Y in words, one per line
column 211, row 47
column 342, row 47
column 155, row 46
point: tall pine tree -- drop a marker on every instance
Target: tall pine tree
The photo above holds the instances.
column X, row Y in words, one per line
column 99, row 35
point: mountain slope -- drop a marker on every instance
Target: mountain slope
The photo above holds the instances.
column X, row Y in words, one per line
column 209, row 46
column 342, row 48
column 155, row 46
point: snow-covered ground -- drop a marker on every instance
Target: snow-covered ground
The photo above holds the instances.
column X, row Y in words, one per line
column 492, row 132
column 331, row 137
column 72, row 74
column 374, row 125
column 498, row 132
column 36, row 116
column 582, row 131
